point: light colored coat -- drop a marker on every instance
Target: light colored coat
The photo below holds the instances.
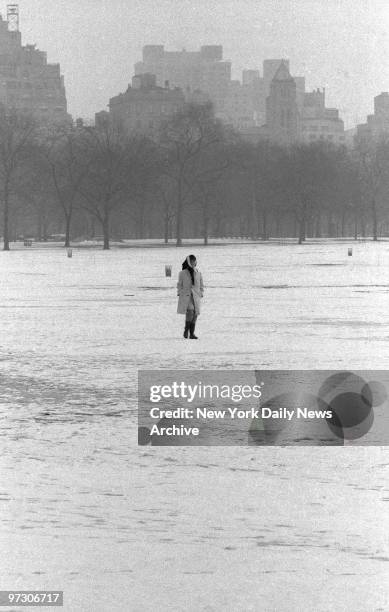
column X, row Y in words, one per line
column 185, row 289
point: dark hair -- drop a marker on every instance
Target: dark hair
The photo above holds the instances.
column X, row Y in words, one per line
column 186, row 266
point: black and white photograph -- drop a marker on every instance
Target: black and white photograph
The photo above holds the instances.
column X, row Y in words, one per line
column 194, row 305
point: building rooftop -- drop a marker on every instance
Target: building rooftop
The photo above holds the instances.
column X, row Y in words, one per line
column 283, row 73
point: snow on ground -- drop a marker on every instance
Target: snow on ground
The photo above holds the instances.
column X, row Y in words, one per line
column 121, row 527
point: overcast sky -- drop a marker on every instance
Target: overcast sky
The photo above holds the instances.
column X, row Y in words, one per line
column 342, row 45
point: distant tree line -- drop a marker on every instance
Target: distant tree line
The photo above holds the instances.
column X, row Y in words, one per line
column 196, row 178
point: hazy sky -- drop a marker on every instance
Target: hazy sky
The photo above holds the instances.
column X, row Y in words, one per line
column 342, row 45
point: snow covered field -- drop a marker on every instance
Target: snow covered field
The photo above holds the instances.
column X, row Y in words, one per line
column 119, row 527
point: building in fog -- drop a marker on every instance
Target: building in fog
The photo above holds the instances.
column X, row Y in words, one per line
column 27, row 82
column 381, row 112
column 274, row 106
column 377, row 124
column 282, row 114
column 239, row 106
column 246, row 107
column 294, row 115
column 252, row 80
column 319, row 122
column 143, row 106
column 270, row 68
column 203, row 70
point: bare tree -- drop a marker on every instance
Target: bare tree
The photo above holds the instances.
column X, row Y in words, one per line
column 35, row 193
column 373, row 165
column 64, row 152
column 262, row 163
column 307, row 177
column 17, row 132
column 188, row 139
column 164, row 192
column 208, row 170
column 117, row 164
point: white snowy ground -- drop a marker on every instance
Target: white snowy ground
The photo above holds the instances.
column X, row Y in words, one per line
column 119, row 527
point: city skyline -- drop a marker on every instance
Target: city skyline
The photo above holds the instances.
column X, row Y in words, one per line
column 340, row 46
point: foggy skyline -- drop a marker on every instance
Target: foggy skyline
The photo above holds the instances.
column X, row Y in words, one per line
column 341, row 45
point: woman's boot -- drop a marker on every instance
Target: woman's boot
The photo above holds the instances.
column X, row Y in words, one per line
column 187, row 328
column 191, row 329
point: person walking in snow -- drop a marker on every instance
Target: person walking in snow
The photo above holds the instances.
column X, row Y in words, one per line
column 190, row 290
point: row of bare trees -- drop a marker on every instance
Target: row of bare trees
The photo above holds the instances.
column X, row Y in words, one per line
column 195, row 178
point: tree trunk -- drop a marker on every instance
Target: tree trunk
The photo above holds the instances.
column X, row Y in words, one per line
column 301, row 231
column 363, row 227
column 44, row 229
column 92, row 227
column 166, row 225
column 179, row 216
column 265, row 233
column 166, row 230
column 39, row 223
column 6, row 221
column 254, row 218
column 278, row 225
column 343, row 222
column 329, row 225
column 374, row 215
column 318, row 226
column 241, row 228
column 206, row 225
column 67, row 230
column 302, row 224
column 106, row 232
